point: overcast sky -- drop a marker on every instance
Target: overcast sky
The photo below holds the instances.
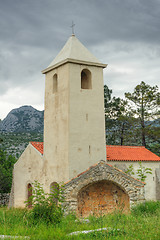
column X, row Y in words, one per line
column 125, row 34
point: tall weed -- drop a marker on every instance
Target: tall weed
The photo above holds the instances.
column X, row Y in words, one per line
column 146, row 208
column 135, row 225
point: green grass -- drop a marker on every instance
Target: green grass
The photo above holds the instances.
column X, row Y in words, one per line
column 141, row 224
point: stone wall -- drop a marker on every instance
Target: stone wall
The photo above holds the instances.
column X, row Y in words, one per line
column 11, row 197
column 150, row 186
column 4, row 199
column 87, row 192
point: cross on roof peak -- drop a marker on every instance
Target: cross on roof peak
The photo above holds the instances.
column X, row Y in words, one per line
column 72, row 26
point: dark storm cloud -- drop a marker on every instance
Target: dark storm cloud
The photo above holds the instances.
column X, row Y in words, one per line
column 124, row 34
column 123, row 20
column 30, row 22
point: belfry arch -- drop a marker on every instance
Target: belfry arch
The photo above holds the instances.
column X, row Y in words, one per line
column 86, row 81
column 55, row 83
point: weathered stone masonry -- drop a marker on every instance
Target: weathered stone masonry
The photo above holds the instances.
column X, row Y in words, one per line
column 102, row 188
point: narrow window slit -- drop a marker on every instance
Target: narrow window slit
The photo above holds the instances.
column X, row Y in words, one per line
column 89, row 149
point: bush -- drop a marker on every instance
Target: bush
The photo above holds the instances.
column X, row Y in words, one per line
column 6, row 168
column 146, row 208
column 49, row 213
column 44, row 207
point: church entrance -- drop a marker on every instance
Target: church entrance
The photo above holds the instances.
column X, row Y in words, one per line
column 101, row 198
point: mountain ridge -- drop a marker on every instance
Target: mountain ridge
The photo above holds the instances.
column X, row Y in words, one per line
column 23, row 119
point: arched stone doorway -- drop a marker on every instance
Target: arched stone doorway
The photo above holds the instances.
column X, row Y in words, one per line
column 54, row 190
column 102, row 197
column 102, row 188
column 29, row 195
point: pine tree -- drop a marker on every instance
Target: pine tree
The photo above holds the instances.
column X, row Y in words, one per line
column 144, row 104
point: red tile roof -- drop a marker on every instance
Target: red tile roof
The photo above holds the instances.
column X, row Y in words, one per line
column 119, row 153
column 130, row 153
column 38, row 146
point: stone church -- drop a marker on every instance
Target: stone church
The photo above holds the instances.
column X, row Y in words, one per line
column 74, row 148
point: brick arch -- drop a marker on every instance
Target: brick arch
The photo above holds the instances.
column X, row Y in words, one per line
column 121, row 182
column 133, row 189
column 102, row 197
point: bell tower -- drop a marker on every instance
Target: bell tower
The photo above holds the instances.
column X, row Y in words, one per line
column 74, row 125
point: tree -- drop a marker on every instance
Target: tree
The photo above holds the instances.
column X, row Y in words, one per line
column 118, row 118
column 144, row 103
column 107, row 98
column 6, row 168
column 1, row 140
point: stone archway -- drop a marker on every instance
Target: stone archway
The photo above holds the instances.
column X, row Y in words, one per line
column 102, row 197
column 29, row 195
column 102, row 188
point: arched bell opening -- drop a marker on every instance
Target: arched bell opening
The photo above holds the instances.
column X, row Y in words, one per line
column 86, row 82
column 102, row 197
column 55, row 83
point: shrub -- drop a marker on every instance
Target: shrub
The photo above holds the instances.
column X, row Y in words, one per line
column 44, row 208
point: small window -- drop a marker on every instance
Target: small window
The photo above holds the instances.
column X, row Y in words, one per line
column 29, row 193
column 86, row 79
column 54, row 190
column 55, row 83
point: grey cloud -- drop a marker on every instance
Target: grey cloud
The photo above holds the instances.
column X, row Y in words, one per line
column 117, row 32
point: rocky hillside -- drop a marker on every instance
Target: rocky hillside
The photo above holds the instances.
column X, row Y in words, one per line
column 23, row 119
column 15, row 143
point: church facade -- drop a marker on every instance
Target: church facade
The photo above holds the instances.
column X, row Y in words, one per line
column 74, row 148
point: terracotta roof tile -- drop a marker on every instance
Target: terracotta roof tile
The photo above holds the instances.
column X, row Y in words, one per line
column 119, row 153
column 38, row 146
column 130, row 153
